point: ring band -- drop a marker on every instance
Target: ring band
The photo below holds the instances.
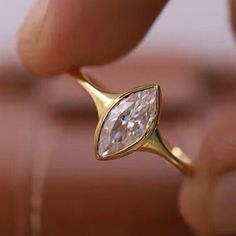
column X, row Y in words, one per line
column 129, row 122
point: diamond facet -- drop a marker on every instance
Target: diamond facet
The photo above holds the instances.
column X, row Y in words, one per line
column 127, row 122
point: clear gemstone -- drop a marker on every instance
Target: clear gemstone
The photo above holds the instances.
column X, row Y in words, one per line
column 127, row 122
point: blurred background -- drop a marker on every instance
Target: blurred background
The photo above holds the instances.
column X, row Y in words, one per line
column 51, row 183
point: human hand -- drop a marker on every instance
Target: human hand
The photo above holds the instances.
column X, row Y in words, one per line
column 70, row 33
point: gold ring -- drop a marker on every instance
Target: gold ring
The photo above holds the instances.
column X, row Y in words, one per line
column 129, row 122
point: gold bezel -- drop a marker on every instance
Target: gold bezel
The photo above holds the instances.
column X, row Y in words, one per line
column 151, row 141
column 139, row 142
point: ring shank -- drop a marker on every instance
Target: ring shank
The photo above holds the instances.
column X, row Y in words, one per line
column 172, row 154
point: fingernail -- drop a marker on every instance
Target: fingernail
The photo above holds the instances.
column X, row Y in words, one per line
column 32, row 25
column 223, row 206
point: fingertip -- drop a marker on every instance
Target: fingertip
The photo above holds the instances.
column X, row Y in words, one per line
column 217, row 155
column 208, row 199
column 69, row 33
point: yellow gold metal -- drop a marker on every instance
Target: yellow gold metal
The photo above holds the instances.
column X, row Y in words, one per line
column 150, row 142
column 102, row 99
column 173, row 154
column 140, row 141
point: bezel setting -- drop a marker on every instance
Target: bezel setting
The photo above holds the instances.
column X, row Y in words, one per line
column 139, row 141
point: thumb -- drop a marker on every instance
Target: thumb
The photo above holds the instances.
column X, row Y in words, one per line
column 58, row 35
column 208, row 201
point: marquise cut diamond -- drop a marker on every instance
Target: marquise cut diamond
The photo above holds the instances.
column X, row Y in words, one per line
column 127, row 122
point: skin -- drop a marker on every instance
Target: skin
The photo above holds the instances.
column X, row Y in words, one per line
column 92, row 34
